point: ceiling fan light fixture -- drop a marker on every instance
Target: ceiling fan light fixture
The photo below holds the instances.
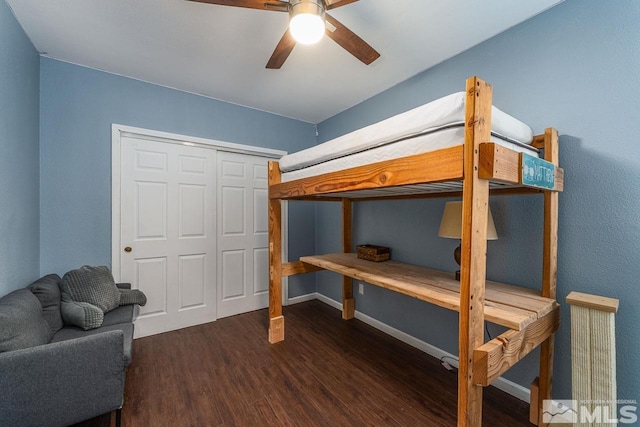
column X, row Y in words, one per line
column 307, row 21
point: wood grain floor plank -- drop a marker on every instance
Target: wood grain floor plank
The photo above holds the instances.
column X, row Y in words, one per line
column 327, row 372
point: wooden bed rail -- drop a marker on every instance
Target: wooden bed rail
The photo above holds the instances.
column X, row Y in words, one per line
column 496, row 163
column 444, row 165
column 298, row 267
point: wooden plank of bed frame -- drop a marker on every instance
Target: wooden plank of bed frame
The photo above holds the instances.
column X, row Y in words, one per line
column 475, row 208
column 503, row 164
column 297, row 267
column 444, row 165
column 276, row 320
column 495, row 357
column 538, row 142
column 549, row 267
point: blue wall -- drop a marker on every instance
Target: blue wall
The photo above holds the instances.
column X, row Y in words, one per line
column 19, row 175
column 78, row 107
column 574, row 67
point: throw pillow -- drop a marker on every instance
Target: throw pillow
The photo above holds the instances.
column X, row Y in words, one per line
column 132, row 296
column 94, row 285
column 82, row 314
column 21, row 321
column 48, row 292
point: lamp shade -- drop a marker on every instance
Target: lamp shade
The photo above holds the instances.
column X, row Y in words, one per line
column 451, row 224
column 307, row 21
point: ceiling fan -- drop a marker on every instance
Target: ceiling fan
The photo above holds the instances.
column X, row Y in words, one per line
column 305, row 17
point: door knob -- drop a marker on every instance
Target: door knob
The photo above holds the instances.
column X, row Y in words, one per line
column 127, row 249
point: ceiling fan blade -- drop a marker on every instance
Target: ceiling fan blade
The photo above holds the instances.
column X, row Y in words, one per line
column 332, row 4
column 276, row 5
column 284, row 48
column 350, row 41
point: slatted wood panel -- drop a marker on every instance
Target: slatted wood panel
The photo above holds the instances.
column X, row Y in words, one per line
column 328, row 372
column 506, row 305
column 439, row 189
column 435, row 188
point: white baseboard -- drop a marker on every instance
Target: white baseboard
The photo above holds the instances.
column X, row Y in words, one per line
column 503, row 384
column 333, row 303
column 302, row 298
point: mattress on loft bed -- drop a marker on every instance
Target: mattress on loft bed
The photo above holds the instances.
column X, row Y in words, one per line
column 438, row 124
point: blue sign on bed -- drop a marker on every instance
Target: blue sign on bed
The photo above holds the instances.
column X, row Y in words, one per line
column 537, row 172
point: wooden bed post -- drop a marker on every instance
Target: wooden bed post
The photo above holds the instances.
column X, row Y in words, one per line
column 549, row 269
column 276, row 320
column 475, row 203
column 348, row 303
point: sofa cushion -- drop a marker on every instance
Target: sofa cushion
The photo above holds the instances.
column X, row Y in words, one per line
column 71, row 332
column 21, row 322
column 48, row 292
column 82, row 314
column 94, row 285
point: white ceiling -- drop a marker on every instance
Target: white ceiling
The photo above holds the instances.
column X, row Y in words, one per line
column 221, row 51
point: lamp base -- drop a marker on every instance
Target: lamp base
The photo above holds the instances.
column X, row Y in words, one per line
column 458, row 275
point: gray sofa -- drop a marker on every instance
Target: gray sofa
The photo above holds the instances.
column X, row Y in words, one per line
column 54, row 374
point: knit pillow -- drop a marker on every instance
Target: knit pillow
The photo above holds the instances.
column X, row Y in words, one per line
column 132, row 296
column 81, row 314
column 94, row 285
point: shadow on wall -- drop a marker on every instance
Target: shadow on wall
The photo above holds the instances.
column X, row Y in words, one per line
column 599, row 239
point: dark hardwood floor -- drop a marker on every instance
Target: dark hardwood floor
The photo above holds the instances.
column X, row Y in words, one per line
column 327, row 372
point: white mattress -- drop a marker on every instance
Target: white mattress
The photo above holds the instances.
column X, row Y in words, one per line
column 395, row 137
column 443, row 138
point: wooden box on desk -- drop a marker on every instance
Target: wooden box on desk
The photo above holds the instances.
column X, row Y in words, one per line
column 373, row 252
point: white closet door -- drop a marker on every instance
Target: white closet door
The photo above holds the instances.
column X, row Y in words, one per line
column 168, row 232
column 243, row 255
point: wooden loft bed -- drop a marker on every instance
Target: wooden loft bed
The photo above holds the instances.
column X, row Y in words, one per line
column 474, row 170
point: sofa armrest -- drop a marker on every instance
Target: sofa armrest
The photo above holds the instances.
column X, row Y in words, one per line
column 124, row 285
column 62, row 383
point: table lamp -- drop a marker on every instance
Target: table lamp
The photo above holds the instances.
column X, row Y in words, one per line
column 451, row 227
